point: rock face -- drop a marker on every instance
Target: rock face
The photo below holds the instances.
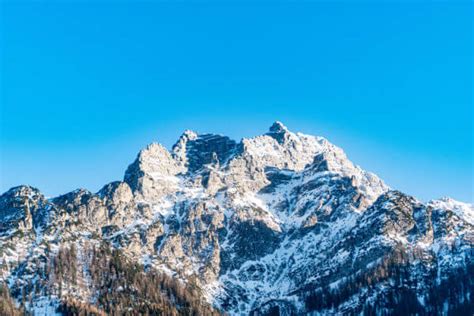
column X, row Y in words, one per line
column 282, row 223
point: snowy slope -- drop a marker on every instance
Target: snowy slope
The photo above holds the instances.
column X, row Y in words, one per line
column 280, row 223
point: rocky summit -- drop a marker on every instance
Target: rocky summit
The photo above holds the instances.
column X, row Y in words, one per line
column 279, row 224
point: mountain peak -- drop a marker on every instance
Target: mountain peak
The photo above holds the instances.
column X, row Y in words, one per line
column 276, row 224
column 278, row 127
column 463, row 210
column 189, row 134
column 279, row 132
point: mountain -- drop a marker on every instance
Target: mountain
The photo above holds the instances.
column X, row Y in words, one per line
column 279, row 224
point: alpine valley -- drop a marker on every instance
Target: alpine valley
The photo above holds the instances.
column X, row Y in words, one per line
column 279, row 224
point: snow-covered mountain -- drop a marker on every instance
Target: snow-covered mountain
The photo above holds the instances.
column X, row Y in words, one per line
column 279, row 224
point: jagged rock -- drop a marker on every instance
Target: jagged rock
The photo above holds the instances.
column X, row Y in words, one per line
column 153, row 173
column 206, row 149
column 84, row 208
column 22, row 207
column 180, row 148
column 282, row 223
column 116, row 193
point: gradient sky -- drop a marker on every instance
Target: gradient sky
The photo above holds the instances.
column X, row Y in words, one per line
column 85, row 85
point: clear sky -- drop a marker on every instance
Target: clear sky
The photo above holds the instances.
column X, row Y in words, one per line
column 85, row 85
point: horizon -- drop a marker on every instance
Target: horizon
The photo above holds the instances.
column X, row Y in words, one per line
column 85, row 86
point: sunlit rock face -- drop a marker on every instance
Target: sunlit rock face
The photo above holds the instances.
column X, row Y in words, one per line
column 282, row 223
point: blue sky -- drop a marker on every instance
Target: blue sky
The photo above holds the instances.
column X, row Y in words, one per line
column 85, row 85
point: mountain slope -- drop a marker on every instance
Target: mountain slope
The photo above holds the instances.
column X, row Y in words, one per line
column 282, row 223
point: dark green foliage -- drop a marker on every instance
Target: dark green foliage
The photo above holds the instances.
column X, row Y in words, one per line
column 72, row 307
column 400, row 296
column 65, row 265
column 124, row 287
